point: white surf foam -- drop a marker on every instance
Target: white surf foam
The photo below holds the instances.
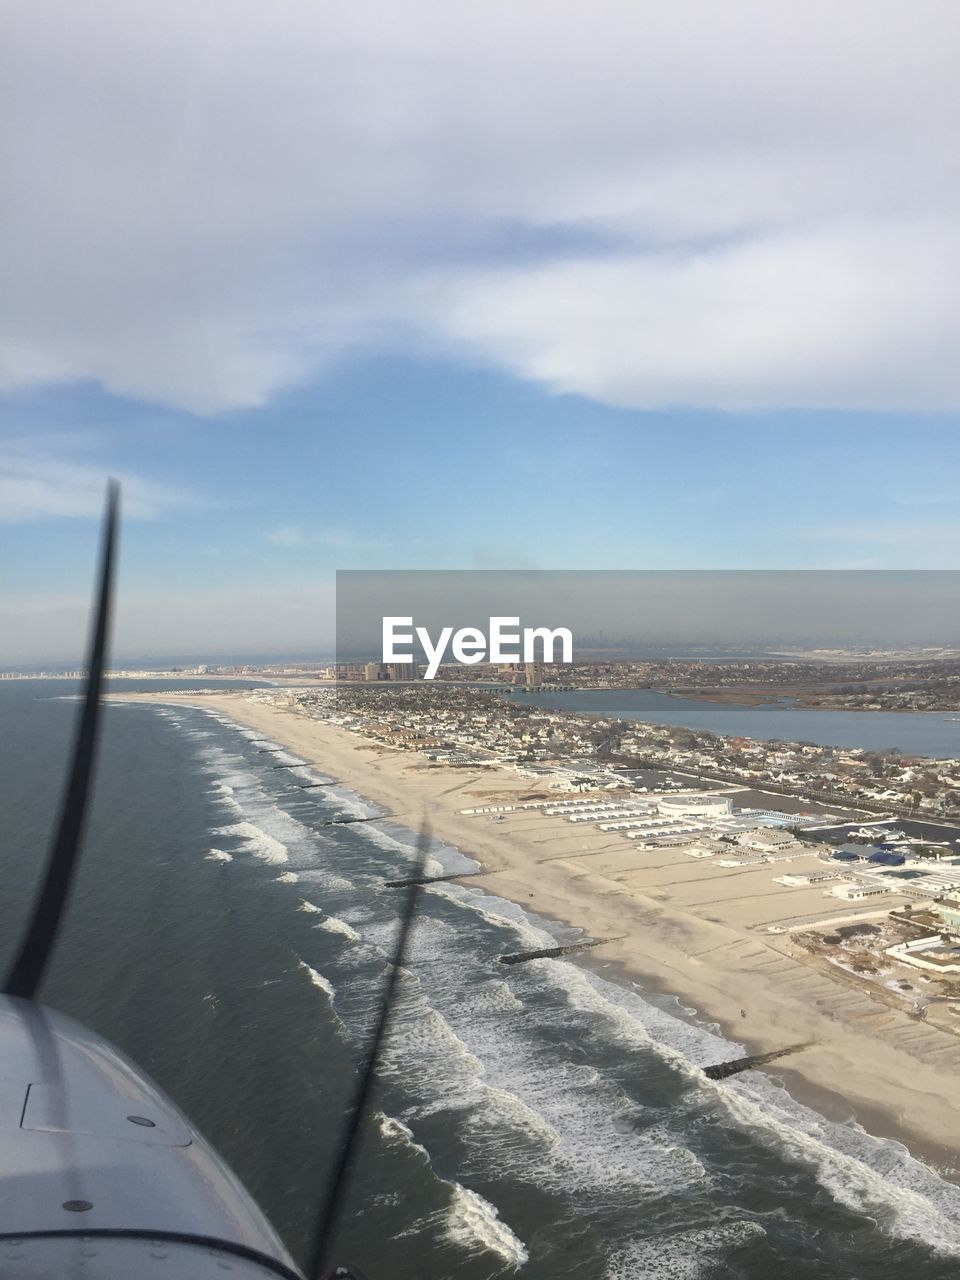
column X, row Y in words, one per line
column 245, row 794
column 873, row 1177
column 307, row 773
column 906, row 1199
column 474, row 1224
column 393, row 837
column 393, row 1129
column 681, row 1255
column 470, row 1222
column 255, row 841
column 530, row 1107
column 333, row 924
column 219, row 855
column 252, row 735
column 319, row 980
column 498, row 911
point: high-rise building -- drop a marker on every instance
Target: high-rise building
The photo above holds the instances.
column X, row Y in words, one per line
column 372, row 671
column 403, row 671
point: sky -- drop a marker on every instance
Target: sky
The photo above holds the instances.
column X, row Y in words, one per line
column 539, row 285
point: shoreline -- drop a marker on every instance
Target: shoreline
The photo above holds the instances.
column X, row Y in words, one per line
column 888, row 1073
column 749, row 697
column 772, row 697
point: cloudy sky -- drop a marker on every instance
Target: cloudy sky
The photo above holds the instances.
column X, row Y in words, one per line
column 535, row 284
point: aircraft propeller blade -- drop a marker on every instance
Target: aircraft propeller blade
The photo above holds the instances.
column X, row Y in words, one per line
column 41, row 935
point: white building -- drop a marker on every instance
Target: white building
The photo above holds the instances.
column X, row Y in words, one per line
column 854, row 892
column 695, row 806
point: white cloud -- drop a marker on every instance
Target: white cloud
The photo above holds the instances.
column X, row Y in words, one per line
column 288, row 536
column 295, row 537
column 854, row 317
column 38, row 482
column 740, row 204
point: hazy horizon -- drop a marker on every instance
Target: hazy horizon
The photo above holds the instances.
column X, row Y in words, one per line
column 751, row 610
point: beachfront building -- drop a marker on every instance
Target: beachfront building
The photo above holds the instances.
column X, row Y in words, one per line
column 796, row 880
column 949, row 912
column 851, row 853
column 932, row 954
column 887, row 858
column 766, row 839
column 854, row 892
column 695, row 806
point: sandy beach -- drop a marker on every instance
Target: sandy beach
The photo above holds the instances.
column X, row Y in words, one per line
column 675, row 925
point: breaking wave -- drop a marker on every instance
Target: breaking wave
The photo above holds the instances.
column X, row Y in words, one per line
column 318, row 979
column 474, row 1223
column 333, row 924
column 253, row 840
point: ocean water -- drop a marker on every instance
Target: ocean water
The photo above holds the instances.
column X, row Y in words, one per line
column 535, row 1121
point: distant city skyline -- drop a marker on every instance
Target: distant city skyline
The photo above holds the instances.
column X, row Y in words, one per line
column 678, row 294
column 621, row 612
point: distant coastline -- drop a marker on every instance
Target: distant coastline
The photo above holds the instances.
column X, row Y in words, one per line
column 795, row 697
column 186, row 676
column 932, row 734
